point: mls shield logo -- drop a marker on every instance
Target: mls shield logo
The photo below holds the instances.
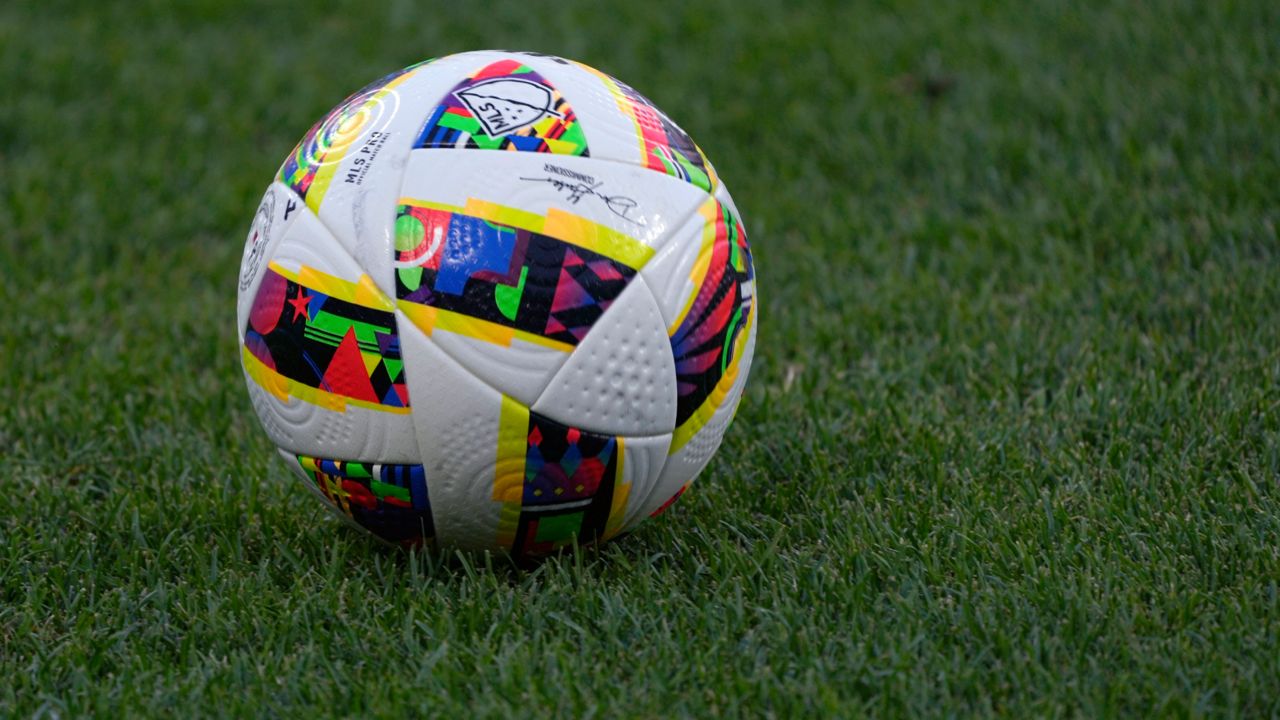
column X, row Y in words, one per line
column 505, row 105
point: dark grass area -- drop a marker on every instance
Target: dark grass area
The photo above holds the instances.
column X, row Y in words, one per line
column 1011, row 443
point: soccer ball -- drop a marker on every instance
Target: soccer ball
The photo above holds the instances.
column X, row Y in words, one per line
column 496, row 300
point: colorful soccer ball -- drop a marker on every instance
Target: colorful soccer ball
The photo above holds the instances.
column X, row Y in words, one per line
column 496, row 300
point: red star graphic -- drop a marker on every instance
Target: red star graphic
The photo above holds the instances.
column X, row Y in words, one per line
column 300, row 304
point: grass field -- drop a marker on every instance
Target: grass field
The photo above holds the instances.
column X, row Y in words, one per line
column 1011, row 444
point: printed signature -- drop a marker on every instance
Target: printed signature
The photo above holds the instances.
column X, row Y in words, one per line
column 575, row 190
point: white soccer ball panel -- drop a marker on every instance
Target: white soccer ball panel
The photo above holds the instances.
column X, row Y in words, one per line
column 310, row 345
column 516, row 367
column 644, row 459
column 670, row 274
column 457, row 431
column 621, row 378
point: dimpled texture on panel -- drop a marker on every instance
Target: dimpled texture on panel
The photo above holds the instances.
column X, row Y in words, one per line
column 457, row 418
column 621, row 379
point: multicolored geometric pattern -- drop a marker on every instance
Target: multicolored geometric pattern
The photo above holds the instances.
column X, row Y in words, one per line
column 705, row 336
column 664, row 146
column 496, row 273
column 557, row 483
column 311, row 166
column 388, row 500
column 505, row 106
column 325, row 340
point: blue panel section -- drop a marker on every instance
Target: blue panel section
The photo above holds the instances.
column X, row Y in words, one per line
column 473, row 246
